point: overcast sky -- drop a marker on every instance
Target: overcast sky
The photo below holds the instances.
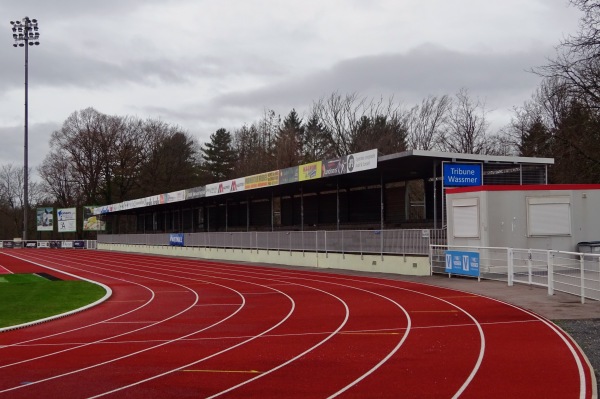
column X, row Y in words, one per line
column 208, row 64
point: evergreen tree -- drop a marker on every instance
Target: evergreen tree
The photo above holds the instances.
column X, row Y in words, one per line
column 317, row 145
column 289, row 141
column 219, row 156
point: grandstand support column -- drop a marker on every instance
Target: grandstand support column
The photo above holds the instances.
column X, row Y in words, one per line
column 247, row 213
column 381, row 200
column 382, row 211
column 226, row 215
column 337, row 202
column 435, row 195
column 301, row 208
column 272, row 212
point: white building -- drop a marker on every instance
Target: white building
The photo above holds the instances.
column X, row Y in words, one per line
column 536, row 216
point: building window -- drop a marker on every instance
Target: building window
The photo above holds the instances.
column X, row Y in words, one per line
column 465, row 213
column 548, row 216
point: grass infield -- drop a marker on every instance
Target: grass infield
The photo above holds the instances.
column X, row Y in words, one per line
column 29, row 297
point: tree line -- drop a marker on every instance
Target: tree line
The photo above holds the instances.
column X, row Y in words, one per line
column 96, row 158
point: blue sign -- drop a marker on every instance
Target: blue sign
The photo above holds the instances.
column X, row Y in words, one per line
column 462, row 174
column 465, row 263
column 176, row 239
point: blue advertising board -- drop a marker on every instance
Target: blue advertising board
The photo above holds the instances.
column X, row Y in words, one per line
column 465, row 263
column 462, row 174
column 176, row 239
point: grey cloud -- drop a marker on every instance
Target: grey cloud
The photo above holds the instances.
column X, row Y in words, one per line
column 409, row 77
column 12, row 149
column 75, row 70
column 502, row 81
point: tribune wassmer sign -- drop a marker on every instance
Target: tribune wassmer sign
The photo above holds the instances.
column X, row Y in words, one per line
column 462, row 174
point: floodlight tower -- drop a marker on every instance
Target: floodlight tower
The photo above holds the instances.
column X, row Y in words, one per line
column 25, row 33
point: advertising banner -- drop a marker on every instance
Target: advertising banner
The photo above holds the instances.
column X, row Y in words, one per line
column 79, row 244
column 310, row 171
column 175, row 196
column 289, row 175
column 67, row 218
column 92, row 222
column 45, row 219
column 152, row 200
column 465, row 263
column 67, row 244
column 362, row 161
column 262, row 180
column 462, row 175
column 176, row 239
column 30, row 244
column 225, row 187
column 196, row 192
column 43, row 244
column 334, row 167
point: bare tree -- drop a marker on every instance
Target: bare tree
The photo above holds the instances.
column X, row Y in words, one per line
column 466, row 126
column 577, row 63
column 353, row 124
column 426, row 121
column 340, row 116
column 12, row 197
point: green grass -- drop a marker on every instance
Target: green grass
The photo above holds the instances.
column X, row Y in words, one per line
column 27, row 297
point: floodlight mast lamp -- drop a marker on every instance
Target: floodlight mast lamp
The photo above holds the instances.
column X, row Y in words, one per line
column 26, row 33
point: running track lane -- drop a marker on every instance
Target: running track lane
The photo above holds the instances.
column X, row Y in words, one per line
column 190, row 328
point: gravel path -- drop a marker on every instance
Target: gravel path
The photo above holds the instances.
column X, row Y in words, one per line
column 587, row 334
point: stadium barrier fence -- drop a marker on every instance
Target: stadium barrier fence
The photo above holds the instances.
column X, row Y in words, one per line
column 576, row 273
column 384, row 242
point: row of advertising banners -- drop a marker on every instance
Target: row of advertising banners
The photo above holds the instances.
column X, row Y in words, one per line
column 66, row 220
column 77, row 244
column 347, row 164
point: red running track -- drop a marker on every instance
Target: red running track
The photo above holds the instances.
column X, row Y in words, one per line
column 178, row 328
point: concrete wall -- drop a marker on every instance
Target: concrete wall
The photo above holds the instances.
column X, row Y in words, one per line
column 503, row 219
column 409, row 265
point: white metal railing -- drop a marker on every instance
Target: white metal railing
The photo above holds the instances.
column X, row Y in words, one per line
column 384, row 242
column 576, row 273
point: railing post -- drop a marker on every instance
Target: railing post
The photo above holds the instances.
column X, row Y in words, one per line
column 550, row 274
column 430, row 259
column 381, row 239
column 343, row 255
column 529, row 268
column 317, row 246
column 582, row 276
column 360, row 242
column 511, row 269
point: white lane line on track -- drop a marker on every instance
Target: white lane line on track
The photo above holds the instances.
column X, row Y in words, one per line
column 239, row 344
column 292, row 274
column 7, row 270
column 73, row 372
column 570, row 346
column 119, row 358
column 390, row 354
column 476, row 323
column 203, row 359
column 381, row 331
column 235, row 346
column 162, row 344
column 540, row 319
column 217, row 304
